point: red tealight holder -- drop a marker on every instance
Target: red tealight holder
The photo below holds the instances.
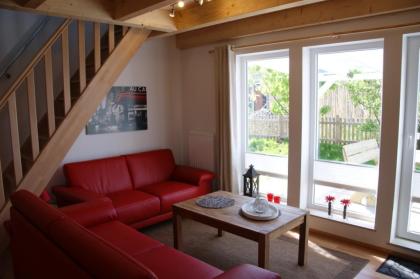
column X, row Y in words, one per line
column 270, row 197
column 276, row 199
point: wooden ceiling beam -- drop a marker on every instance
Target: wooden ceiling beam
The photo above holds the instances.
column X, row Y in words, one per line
column 97, row 11
column 128, row 9
column 314, row 14
column 220, row 11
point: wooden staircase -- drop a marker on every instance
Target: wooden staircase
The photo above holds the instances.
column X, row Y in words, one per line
column 36, row 158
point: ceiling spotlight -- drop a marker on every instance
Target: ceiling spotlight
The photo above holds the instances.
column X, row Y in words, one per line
column 172, row 13
column 181, row 4
column 201, row 2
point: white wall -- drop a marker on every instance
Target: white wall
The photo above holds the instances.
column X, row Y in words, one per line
column 198, row 94
column 156, row 66
column 16, row 23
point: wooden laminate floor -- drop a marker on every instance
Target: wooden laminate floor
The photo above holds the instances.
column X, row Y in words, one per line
column 374, row 256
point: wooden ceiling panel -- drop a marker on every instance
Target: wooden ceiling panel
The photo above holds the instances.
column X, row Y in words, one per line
column 97, row 11
column 219, row 11
column 318, row 13
column 128, row 9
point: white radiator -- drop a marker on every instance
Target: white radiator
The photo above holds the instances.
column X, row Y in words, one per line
column 201, row 151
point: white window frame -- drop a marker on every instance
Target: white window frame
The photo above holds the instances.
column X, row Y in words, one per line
column 242, row 61
column 314, row 51
column 412, row 87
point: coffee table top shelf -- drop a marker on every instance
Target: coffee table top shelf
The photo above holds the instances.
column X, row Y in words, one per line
column 231, row 217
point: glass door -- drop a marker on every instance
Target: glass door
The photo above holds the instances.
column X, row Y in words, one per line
column 408, row 222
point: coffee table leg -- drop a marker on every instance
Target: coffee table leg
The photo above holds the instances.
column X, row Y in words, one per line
column 219, row 232
column 303, row 241
column 177, row 223
column 263, row 251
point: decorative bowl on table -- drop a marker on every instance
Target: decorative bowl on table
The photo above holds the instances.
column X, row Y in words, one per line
column 215, row 202
column 260, row 209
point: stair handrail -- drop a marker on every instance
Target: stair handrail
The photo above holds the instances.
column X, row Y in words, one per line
column 57, row 34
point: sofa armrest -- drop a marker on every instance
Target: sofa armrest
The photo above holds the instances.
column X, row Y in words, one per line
column 91, row 213
column 248, row 271
column 193, row 176
column 70, row 195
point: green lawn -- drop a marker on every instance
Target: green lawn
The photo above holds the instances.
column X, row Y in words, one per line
column 327, row 151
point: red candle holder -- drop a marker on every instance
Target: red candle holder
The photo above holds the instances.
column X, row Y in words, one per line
column 270, row 197
column 276, row 199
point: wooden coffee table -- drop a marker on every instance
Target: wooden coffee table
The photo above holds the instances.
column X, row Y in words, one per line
column 229, row 219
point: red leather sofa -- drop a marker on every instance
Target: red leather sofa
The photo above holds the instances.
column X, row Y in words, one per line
column 142, row 186
column 87, row 241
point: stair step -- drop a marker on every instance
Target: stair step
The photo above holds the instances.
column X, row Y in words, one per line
column 77, row 80
column 61, row 98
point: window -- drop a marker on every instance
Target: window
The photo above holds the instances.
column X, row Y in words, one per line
column 264, row 85
column 408, row 225
column 346, row 107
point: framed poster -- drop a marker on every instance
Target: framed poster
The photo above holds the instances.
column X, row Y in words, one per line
column 124, row 109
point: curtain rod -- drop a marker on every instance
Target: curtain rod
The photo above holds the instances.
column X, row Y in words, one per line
column 332, row 35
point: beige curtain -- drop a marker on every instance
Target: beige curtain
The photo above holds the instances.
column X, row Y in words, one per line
column 222, row 58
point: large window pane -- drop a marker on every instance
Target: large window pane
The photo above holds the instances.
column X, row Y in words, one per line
column 268, row 106
column 346, row 86
column 265, row 79
column 349, row 106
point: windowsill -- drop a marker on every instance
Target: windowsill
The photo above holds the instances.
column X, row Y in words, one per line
column 338, row 218
column 406, row 243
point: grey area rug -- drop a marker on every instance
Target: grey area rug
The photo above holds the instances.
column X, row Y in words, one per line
column 201, row 241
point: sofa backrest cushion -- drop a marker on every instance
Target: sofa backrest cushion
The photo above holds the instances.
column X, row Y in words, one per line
column 98, row 257
column 39, row 212
column 102, row 176
column 150, row 167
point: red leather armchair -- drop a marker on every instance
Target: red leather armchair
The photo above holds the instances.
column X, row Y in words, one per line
column 142, row 187
column 87, row 241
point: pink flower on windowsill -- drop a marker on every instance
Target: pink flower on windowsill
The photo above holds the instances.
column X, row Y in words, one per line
column 329, row 198
column 345, row 202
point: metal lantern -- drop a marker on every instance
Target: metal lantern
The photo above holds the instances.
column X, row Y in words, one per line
column 251, row 182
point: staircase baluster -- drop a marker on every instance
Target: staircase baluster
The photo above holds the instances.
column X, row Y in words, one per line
column 33, row 119
column 49, row 91
column 14, row 132
column 111, row 38
column 82, row 56
column 97, row 40
column 66, row 70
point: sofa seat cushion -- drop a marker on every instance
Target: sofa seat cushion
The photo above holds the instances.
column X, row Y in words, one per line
column 133, row 206
column 171, row 192
column 101, row 176
column 168, row 263
column 125, row 238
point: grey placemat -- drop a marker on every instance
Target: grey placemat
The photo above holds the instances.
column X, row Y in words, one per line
column 215, row 202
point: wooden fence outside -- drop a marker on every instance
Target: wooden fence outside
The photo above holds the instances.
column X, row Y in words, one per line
column 335, row 130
